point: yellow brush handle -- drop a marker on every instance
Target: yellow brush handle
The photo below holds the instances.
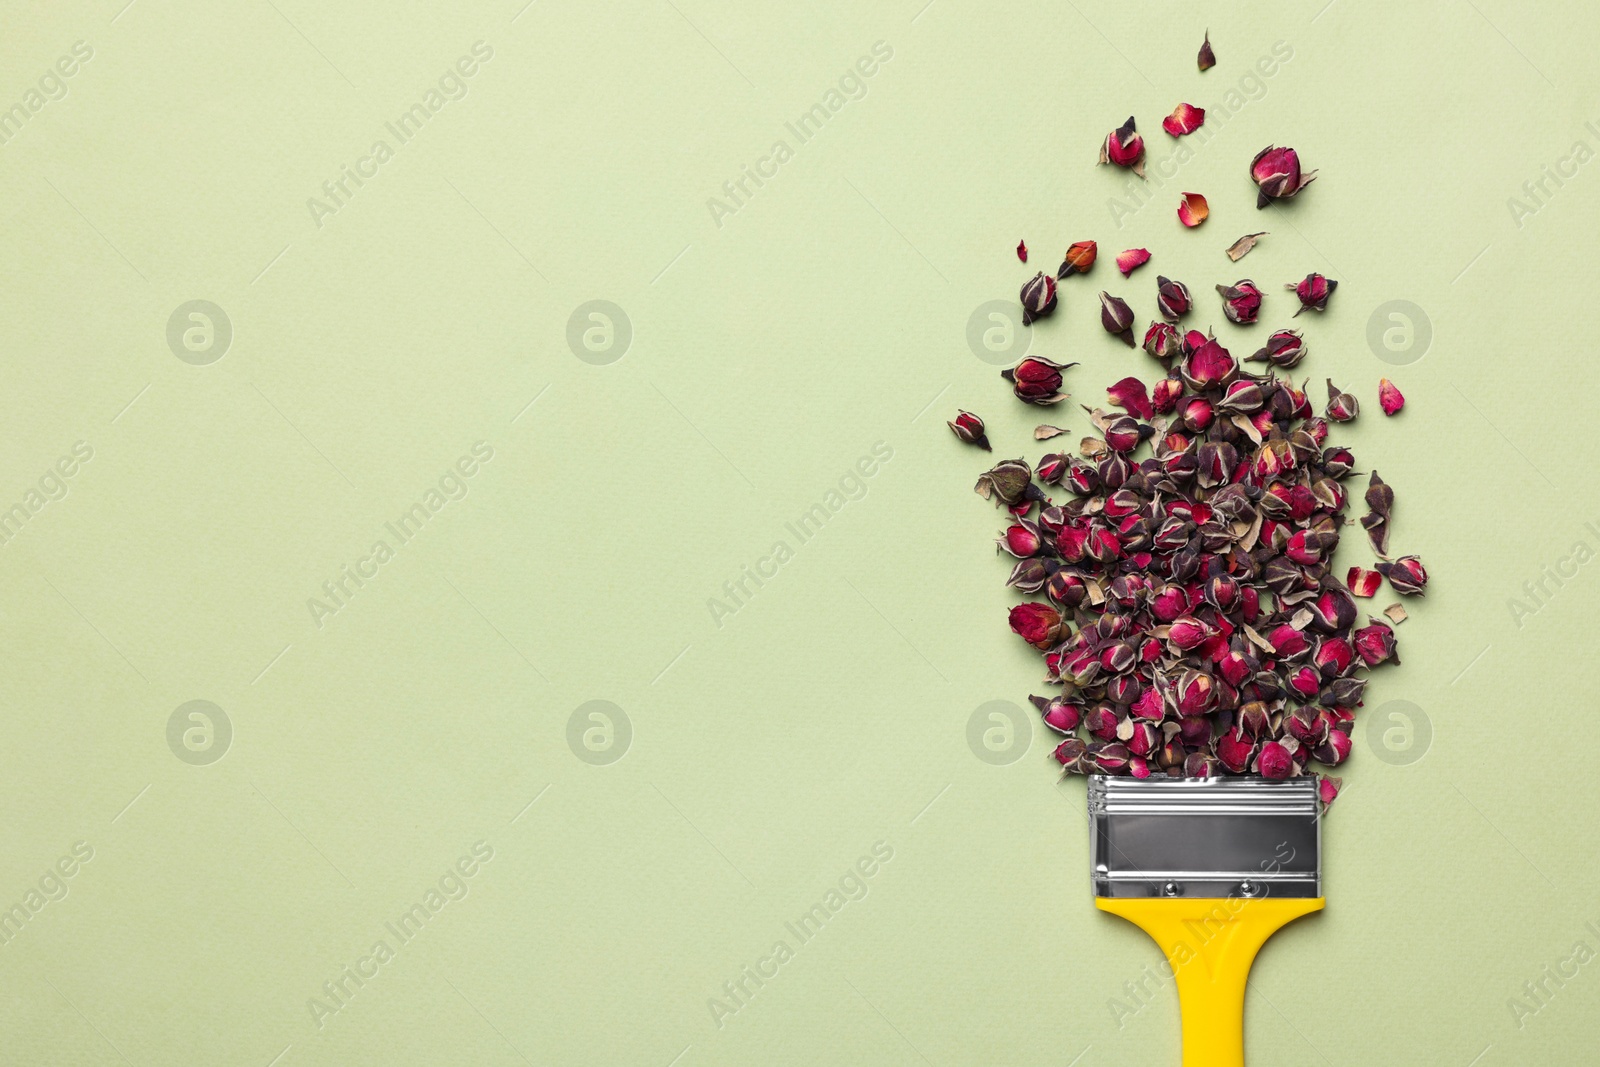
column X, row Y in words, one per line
column 1210, row 944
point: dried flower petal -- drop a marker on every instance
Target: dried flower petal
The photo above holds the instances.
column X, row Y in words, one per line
column 1079, row 258
column 1132, row 260
column 1406, row 574
column 1117, row 317
column 1022, row 251
column 1276, row 172
column 1396, row 614
column 1037, row 380
column 1038, row 297
column 1342, row 407
column 1241, row 301
column 1241, row 248
column 1172, row 298
column 969, row 429
column 1207, row 58
column 1185, row 119
column 1389, row 398
column 1362, row 582
column 1124, row 147
column 1285, row 348
column 1328, row 788
column 1313, row 291
column 1130, row 395
column 1044, row 432
column 1193, row 210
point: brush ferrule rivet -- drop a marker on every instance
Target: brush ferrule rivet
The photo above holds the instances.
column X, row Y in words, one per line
column 1171, row 889
column 1248, row 888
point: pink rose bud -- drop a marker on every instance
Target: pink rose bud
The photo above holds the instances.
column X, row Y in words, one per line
column 1117, row 317
column 1313, row 291
column 1406, row 574
column 1172, row 298
column 969, row 429
column 1052, row 467
column 1342, row 407
column 1187, row 632
column 1022, row 540
column 1082, row 478
column 1196, row 693
column 1132, row 259
column 1037, row 624
column 1333, row 656
column 1305, row 681
column 1149, row 706
column 1124, row 147
column 1062, row 716
column 1163, row 341
column 1334, row 750
column 1123, row 433
column 1375, row 644
column 1283, row 349
column 1066, row 589
column 1276, row 172
column 1008, row 483
column 1275, row 761
column 1037, row 380
column 1109, row 757
column 1338, row 462
column 1185, row 119
column 1208, row 367
column 1196, row 412
column 1234, row 749
column 1070, row 754
column 1029, row 575
column 1144, row 741
column 1254, row 718
column 1164, row 397
column 1241, row 301
column 1138, row 767
column 1038, row 297
column 1287, row 641
column 1389, row 397
column 1193, row 210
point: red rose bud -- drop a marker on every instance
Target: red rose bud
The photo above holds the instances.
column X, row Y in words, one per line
column 1079, row 258
column 1313, row 291
column 1283, row 349
column 1165, row 396
column 1362, row 582
column 1389, row 397
column 1208, row 367
column 1037, row 380
column 1062, row 716
column 1021, row 540
column 1109, row 758
column 1117, row 317
column 1241, row 301
column 1185, row 119
column 1193, row 210
column 1022, row 251
column 1406, row 574
column 1334, row 750
column 1333, row 656
column 1132, row 259
column 1070, row 754
column 1275, row 761
column 1375, row 644
column 1124, row 147
column 969, row 428
column 1342, row 407
column 1082, row 478
column 1338, row 462
column 1038, row 297
column 1207, row 58
column 1008, row 483
column 1163, row 341
column 1037, row 624
column 1276, row 172
column 1197, row 693
column 1173, row 300
column 1066, row 589
column 1129, row 394
column 1234, row 749
column 1195, row 413
column 1188, row 632
column 1029, row 575
column 1143, row 741
column 1053, row 467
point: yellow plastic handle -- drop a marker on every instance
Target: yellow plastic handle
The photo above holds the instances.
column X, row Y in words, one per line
column 1210, row 944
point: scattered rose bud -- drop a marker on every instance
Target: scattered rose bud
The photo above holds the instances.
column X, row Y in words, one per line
column 1207, row 58
column 1124, row 147
column 969, row 428
column 1185, row 118
column 1044, row 433
column 1406, row 574
column 1117, row 317
column 1285, row 349
column 1313, row 291
column 1132, row 260
column 1241, row 301
column 1276, row 172
column 1037, row 380
column 1389, row 398
column 1362, row 582
column 1241, row 248
column 1130, row 395
column 1193, row 210
column 1038, row 297
column 1022, row 251
column 1163, row 341
column 1008, row 483
column 1079, row 258
column 1342, row 407
column 1172, row 298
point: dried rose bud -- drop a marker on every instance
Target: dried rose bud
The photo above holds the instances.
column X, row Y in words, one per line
column 1389, row 398
column 1196, row 692
column 1208, row 367
column 1362, row 582
column 1338, row 462
column 1037, row 380
column 1022, row 251
column 1185, row 118
column 1029, row 575
column 1037, row 624
column 1380, row 496
column 1108, row 757
column 1193, row 210
column 1241, row 301
column 1207, row 58
column 1008, row 483
column 1070, row 754
column 1079, row 258
column 1062, row 716
column 1021, row 540
column 1066, row 589
column 1132, row 259
column 1163, row 341
column 1276, row 172
column 1313, row 291
column 1241, row 248
column 1234, row 749
column 1038, row 297
column 1172, row 298
column 1334, row 750
column 1285, row 349
column 1406, row 574
column 1164, row 398
column 1342, row 407
column 1053, row 467
column 1129, row 394
column 1117, row 317
column 969, row 428
column 1328, row 788
column 1375, row 644
column 1188, row 632
column 1275, row 761
column 1124, row 147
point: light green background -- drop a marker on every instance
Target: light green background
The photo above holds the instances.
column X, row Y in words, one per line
column 768, row 354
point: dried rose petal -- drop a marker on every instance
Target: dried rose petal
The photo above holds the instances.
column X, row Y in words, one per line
column 1362, row 582
column 1079, row 258
column 1390, row 399
column 1117, row 317
column 1406, row 574
column 969, row 429
column 1313, row 291
column 1285, row 348
column 1022, row 251
column 1172, row 298
column 1130, row 395
column 1037, row 380
column 1044, row 432
column 1241, row 248
column 1038, row 297
column 1241, row 301
column 1207, row 58
column 1163, row 341
column 1193, row 210
column 1132, row 260
column 1276, row 172
column 1124, row 147
column 1396, row 614
column 1342, row 407
column 1185, row 119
